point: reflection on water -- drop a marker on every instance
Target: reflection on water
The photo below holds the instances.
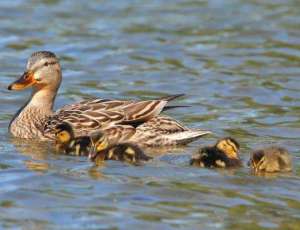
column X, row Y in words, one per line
column 33, row 149
column 238, row 63
column 36, row 166
column 36, row 151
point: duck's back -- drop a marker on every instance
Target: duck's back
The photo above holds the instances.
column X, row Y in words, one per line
column 90, row 115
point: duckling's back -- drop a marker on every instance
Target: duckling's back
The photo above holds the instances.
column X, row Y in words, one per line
column 82, row 145
column 129, row 151
column 271, row 159
column 212, row 157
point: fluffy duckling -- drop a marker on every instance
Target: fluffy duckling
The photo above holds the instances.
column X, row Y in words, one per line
column 224, row 154
column 125, row 151
column 67, row 143
column 271, row 159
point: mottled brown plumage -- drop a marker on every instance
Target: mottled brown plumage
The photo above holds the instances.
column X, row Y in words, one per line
column 127, row 152
column 135, row 121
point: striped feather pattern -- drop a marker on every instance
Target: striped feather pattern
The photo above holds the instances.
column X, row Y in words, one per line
column 135, row 121
column 162, row 125
column 119, row 133
column 89, row 115
column 122, row 120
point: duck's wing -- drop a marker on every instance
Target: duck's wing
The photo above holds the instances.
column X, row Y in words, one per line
column 108, row 104
column 162, row 125
column 90, row 115
column 95, row 105
column 163, row 131
column 142, row 111
column 119, row 133
column 83, row 121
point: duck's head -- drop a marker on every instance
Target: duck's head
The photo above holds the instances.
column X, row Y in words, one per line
column 64, row 132
column 229, row 146
column 42, row 70
column 99, row 142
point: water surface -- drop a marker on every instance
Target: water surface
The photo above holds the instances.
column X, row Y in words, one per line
column 237, row 61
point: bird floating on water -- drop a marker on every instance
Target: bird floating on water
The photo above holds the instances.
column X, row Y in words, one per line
column 67, row 143
column 224, row 154
column 122, row 120
column 127, row 152
column 271, row 159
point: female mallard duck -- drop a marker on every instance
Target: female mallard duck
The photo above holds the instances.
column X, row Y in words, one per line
column 67, row 143
column 271, row 159
column 135, row 121
column 224, row 154
column 128, row 152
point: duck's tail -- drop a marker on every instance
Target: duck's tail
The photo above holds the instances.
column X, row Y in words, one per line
column 187, row 136
column 171, row 98
column 168, row 107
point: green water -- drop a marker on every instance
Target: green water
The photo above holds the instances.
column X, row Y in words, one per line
column 238, row 63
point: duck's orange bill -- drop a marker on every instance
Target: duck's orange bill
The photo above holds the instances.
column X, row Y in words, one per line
column 26, row 80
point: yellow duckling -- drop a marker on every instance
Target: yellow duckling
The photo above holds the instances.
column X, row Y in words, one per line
column 271, row 159
column 67, row 143
column 224, row 154
column 128, row 152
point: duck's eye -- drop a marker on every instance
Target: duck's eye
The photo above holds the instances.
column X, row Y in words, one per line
column 46, row 64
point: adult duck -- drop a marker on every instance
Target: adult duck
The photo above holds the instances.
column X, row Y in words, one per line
column 121, row 120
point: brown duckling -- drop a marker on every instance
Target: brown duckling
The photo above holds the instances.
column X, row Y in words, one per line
column 224, row 154
column 125, row 151
column 271, row 159
column 67, row 143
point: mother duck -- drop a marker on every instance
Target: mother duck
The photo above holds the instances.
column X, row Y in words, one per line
column 121, row 120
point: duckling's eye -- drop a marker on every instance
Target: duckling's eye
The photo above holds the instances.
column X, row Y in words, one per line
column 98, row 143
column 62, row 134
column 223, row 146
column 46, row 64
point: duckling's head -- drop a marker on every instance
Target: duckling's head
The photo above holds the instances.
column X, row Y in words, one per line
column 42, row 70
column 99, row 140
column 229, row 146
column 64, row 132
column 99, row 143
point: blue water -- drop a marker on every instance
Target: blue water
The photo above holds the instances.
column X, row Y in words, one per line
column 238, row 63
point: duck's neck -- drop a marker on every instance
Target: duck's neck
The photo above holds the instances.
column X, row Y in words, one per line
column 42, row 99
column 29, row 121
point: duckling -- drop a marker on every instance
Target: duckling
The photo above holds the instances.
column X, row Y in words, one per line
column 271, row 159
column 67, row 143
column 125, row 151
column 224, row 154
